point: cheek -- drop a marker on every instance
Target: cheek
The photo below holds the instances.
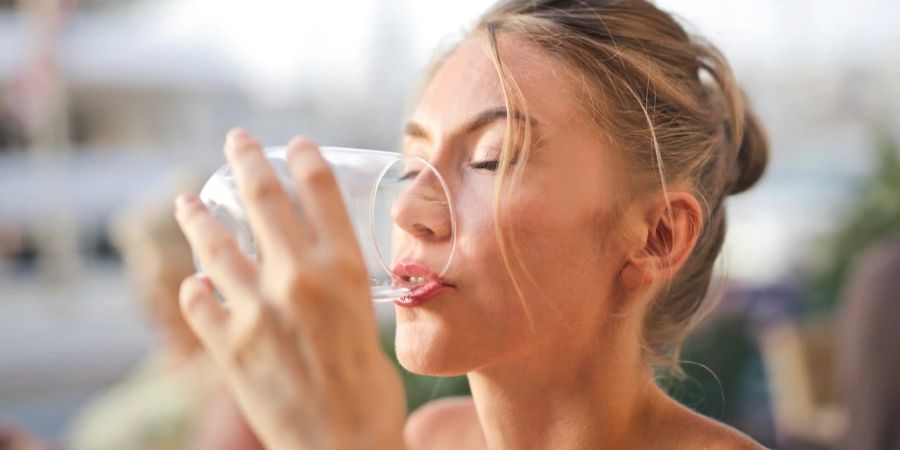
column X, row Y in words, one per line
column 475, row 222
column 563, row 241
column 554, row 236
column 543, row 221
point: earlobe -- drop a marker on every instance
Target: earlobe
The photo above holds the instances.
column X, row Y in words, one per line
column 639, row 270
column 637, row 273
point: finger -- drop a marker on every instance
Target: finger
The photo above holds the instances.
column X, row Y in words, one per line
column 206, row 317
column 230, row 270
column 269, row 210
column 318, row 193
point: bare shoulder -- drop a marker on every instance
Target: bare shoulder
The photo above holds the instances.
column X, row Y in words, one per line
column 448, row 423
column 690, row 430
column 721, row 436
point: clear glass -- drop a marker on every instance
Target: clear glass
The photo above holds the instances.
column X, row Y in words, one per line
column 372, row 184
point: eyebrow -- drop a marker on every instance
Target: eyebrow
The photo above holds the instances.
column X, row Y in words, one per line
column 478, row 121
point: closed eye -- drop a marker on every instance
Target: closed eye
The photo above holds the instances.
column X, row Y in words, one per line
column 491, row 164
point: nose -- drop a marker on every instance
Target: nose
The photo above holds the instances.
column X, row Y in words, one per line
column 423, row 210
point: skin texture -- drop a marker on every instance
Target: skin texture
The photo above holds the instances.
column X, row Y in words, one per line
column 222, row 427
column 568, row 374
column 559, row 368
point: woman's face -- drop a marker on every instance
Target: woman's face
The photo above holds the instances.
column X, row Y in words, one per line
column 560, row 217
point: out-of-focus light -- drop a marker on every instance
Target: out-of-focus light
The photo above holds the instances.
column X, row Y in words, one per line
column 795, row 34
column 279, row 48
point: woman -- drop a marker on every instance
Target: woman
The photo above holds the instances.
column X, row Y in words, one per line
column 589, row 146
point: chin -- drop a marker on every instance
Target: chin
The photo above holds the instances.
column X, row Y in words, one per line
column 426, row 351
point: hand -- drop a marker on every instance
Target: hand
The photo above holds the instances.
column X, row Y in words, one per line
column 298, row 342
column 221, row 426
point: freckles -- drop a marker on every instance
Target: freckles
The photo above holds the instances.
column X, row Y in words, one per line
column 474, row 210
column 529, row 213
column 551, row 229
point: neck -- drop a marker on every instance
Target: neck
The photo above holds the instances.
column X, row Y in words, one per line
column 587, row 396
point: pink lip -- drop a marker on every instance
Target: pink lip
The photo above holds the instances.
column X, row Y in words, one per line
column 419, row 294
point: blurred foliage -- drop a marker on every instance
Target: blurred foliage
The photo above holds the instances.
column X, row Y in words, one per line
column 724, row 378
column 873, row 216
column 422, row 389
column 713, row 362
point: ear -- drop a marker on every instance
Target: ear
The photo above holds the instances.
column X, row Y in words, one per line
column 668, row 236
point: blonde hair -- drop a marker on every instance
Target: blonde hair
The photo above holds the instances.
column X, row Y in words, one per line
column 666, row 99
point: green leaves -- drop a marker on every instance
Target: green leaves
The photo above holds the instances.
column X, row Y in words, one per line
column 873, row 215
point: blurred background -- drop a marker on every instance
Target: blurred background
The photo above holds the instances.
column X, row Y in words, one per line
column 103, row 101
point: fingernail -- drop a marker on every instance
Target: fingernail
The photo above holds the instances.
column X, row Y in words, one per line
column 299, row 141
column 184, row 201
column 238, row 135
column 204, row 278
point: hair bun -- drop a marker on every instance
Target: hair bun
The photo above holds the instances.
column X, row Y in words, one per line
column 752, row 155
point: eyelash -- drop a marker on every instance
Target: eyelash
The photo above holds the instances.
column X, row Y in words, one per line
column 491, row 165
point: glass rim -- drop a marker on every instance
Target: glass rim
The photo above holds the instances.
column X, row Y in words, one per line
column 281, row 151
column 440, row 178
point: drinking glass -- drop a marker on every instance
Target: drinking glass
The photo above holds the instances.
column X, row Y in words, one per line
column 373, row 184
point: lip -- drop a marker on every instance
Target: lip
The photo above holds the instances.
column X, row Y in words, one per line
column 421, row 293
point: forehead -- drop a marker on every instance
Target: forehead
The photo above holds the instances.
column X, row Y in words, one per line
column 468, row 82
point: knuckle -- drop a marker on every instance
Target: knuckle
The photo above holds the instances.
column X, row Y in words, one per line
column 316, row 175
column 235, row 355
column 334, row 261
column 190, row 210
column 247, row 332
column 192, row 292
column 303, row 284
column 263, row 188
column 189, row 290
column 347, row 264
column 218, row 246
